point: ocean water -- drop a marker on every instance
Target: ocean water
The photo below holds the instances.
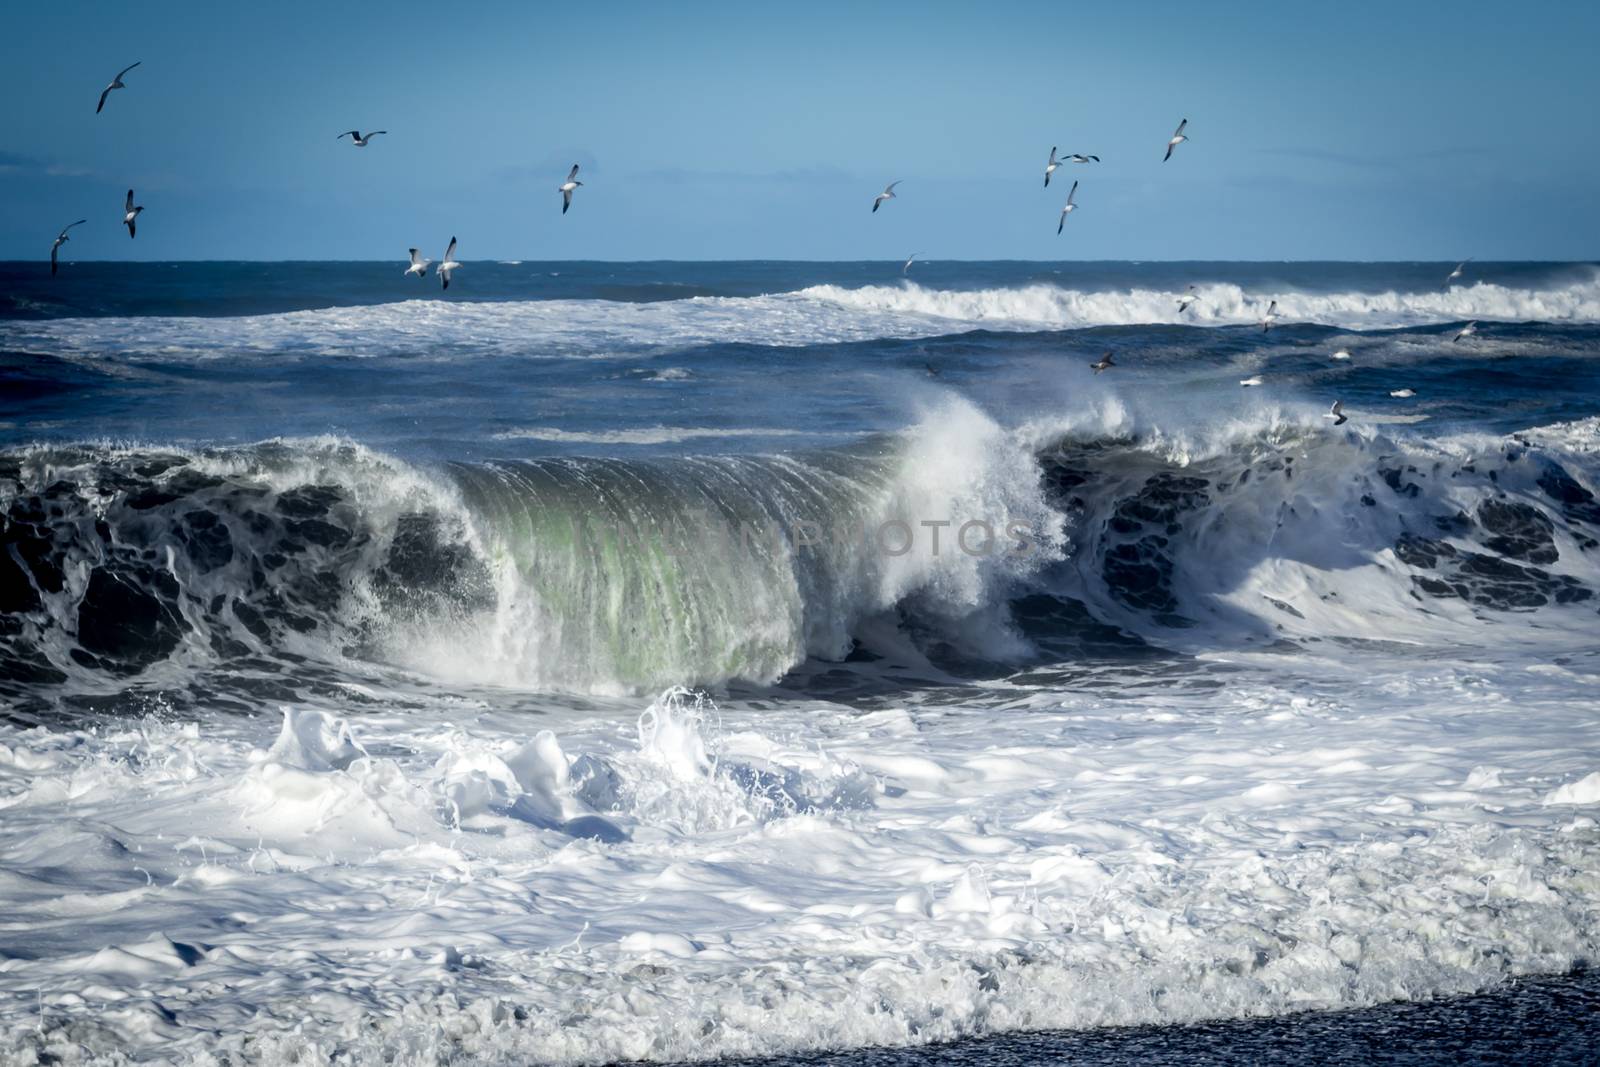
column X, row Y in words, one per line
column 666, row 661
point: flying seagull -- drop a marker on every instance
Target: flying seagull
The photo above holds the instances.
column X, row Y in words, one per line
column 130, row 214
column 1403, row 394
column 1050, row 167
column 358, row 140
column 1270, row 318
column 448, row 264
column 1178, row 137
column 61, row 239
column 1186, row 301
column 1466, row 331
column 116, row 83
column 1341, row 355
column 1069, row 209
column 566, row 188
column 1336, row 413
column 1079, row 157
column 1460, row 268
column 419, row 264
column 887, row 194
column 1104, row 363
column 907, row 267
column 1248, row 382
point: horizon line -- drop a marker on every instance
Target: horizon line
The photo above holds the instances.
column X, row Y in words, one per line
column 501, row 261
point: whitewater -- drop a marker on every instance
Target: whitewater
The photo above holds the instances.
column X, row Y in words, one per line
column 680, row 661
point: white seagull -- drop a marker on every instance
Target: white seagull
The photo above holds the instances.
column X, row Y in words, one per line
column 1342, row 355
column 1050, row 167
column 61, row 239
column 1403, row 394
column 1079, row 157
column 1460, row 268
column 1069, row 209
column 1270, row 318
column 1336, row 413
column 887, row 194
column 911, row 257
column 116, row 83
column 419, row 264
column 1178, row 137
column 1248, row 382
column 358, row 140
column 566, row 188
column 130, row 214
column 448, row 264
column 1466, row 331
column 1104, row 363
column 1186, row 301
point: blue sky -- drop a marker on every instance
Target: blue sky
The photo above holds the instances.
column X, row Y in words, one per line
column 756, row 131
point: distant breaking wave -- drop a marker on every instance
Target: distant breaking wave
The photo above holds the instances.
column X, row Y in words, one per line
column 1220, row 304
column 823, row 314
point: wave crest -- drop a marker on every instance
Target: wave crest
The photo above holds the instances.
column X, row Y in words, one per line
column 1218, row 304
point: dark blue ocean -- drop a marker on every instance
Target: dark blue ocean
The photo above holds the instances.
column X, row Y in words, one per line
column 596, row 662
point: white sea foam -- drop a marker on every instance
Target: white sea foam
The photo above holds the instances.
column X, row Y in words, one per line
column 456, row 881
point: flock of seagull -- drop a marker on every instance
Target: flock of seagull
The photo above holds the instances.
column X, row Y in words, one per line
column 419, row 263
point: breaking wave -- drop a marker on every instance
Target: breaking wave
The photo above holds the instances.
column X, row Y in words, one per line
column 822, row 314
column 1219, row 304
column 621, row 575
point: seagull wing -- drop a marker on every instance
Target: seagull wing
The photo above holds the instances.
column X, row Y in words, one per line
column 103, row 94
column 1073, row 192
column 126, row 69
column 64, row 229
column 450, row 253
column 1168, row 155
column 129, row 206
column 416, row 259
column 566, row 200
column 1179, row 131
column 573, row 173
column 349, row 133
column 53, row 249
column 890, row 187
column 1095, row 158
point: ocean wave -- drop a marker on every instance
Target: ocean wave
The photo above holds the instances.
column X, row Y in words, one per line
column 824, row 314
column 1218, row 304
column 577, row 574
column 613, row 575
